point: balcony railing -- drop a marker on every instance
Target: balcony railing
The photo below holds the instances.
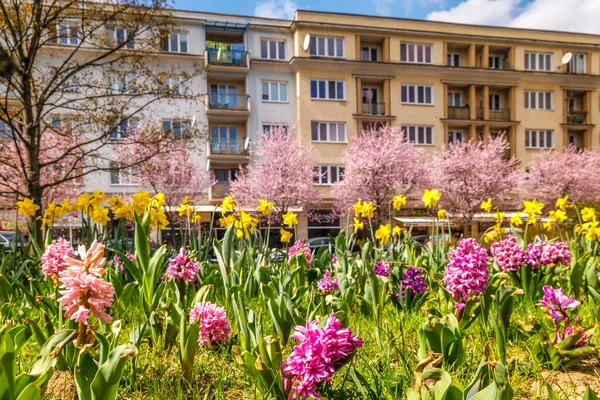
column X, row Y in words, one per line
column 458, row 112
column 373, row 108
column 221, row 101
column 220, row 190
column 577, row 117
column 235, row 58
column 232, row 146
column 501, row 114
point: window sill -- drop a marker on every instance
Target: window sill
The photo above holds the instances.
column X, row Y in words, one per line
column 417, row 104
column 275, row 102
column 317, row 99
column 327, row 142
column 124, row 184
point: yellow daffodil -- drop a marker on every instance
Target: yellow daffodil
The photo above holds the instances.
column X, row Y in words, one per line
column 286, row 236
column 100, row 215
column 228, row 204
column 383, row 234
column 588, row 214
column 431, row 197
column 358, row 225
column 397, row 230
column 516, row 220
column 66, row 206
column 115, row 202
column 125, row 211
column 83, row 202
column 533, row 207
column 357, row 208
column 196, row 218
column 368, row 209
column 562, row 203
column 487, row 205
column 140, row 201
column 499, row 216
column 547, row 226
column 442, row 214
column 185, row 210
column 186, row 200
column 531, row 220
column 490, row 236
column 557, row 216
column 265, row 207
column 158, row 218
column 97, row 198
column 226, row 220
column 159, row 200
column 398, row 202
column 290, row 219
column 27, row 207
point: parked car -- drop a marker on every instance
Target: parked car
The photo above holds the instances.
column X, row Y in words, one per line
column 315, row 244
column 8, row 238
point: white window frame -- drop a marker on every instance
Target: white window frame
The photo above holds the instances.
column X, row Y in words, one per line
column 178, row 86
column 69, row 26
column 329, row 131
column 124, row 178
column 500, row 101
column 415, row 88
column 451, row 61
column 414, row 131
column 120, row 132
column 416, row 49
column 184, row 124
column 277, row 55
column 458, row 135
column 534, row 57
column 319, row 46
column 499, row 58
column 282, row 87
column 532, row 100
column 452, row 95
column 370, row 48
column 270, row 126
column 532, row 144
column 327, row 82
column 112, row 32
column 179, row 34
column 328, row 181
column 574, row 62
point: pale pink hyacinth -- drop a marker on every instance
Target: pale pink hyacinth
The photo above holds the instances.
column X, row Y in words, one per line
column 300, row 248
column 214, row 326
column 53, row 259
column 320, row 353
column 508, row 255
column 82, row 288
column 327, row 285
column 182, row 267
column 466, row 274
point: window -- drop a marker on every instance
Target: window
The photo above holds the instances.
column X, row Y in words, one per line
column 422, row 135
column 270, row 128
column 331, row 90
column 539, row 100
column 274, row 91
column 417, row 94
column 120, row 36
column 67, row 33
column 123, row 176
column 72, row 84
column 323, row 223
column 123, row 129
column 272, row 49
column 454, row 59
column 224, row 175
column 121, row 83
column 539, row 139
column 174, row 42
column 333, row 132
column 328, row 174
column 177, row 127
column 495, row 62
column 369, row 53
column 326, row 46
column 538, row 61
column 577, row 64
column 225, row 140
column 415, row 53
column 495, row 102
column 178, row 86
column 455, row 137
column 5, row 130
column 455, row 99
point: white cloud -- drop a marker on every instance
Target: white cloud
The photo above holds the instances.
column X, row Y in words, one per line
column 385, row 7
column 560, row 15
column 284, row 9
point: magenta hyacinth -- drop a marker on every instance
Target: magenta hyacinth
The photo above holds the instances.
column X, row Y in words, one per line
column 118, row 263
column 300, row 248
column 542, row 253
column 82, row 288
column 214, row 326
column 327, row 285
column 467, row 273
column 320, row 353
column 182, row 267
column 413, row 280
column 557, row 303
column 381, row 268
column 53, row 259
column 508, row 255
column 571, row 330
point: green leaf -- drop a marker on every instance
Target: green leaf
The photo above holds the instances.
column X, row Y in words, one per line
column 589, row 394
column 85, row 371
column 106, row 382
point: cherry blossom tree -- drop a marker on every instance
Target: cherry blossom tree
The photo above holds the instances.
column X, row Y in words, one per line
column 282, row 173
column 468, row 173
column 378, row 165
column 552, row 174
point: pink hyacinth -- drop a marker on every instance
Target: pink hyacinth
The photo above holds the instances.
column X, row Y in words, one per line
column 53, row 259
column 118, row 263
column 82, row 288
column 557, row 303
column 508, row 255
column 300, row 248
column 214, row 326
column 327, row 285
column 320, row 353
column 334, row 258
column 381, row 268
column 542, row 253
column 467, row 273
column 182, row 267
column 570, row 331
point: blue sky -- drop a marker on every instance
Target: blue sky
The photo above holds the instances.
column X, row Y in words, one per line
column 562, row 15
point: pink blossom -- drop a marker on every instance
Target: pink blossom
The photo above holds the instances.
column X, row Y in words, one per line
column 542, row 253
column 557, row 303
column 82, row 288
column 53, row 258
column 182, row 267
column 381, row 269
column 570, row 331
column 467, row 273
column 118, row 263
column 508, row 255
column 300, row 248
column 327, row 285
column 214, row 326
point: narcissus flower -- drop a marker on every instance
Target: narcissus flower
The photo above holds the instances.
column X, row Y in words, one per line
column 588, row 214
column 368, row 210
column 214, row 326
column 516, row 220
column 533, row 207
column 185, row 210
column 100, row 215
column 431, row 197
column 358, row 225
column 286, row 236
column 466, row 275
column 228, row 204
column 115, row 202
column 557, row 216
column 97, row 198
column 290, row 219
column 397, row 230
column 125, row 211
column 562, row 203
column 442, row 214
column 398, row 202
column 357, row 208
column 383, row 234
column 265, row 207
column 53, row 259
column 487, row 205
column 27, row 207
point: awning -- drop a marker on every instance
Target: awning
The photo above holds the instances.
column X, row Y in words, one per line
column 227, row 26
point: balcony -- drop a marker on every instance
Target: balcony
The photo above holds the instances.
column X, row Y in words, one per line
column 458, row 112
column 501, row 114
column 219, row 190
column 228, row 150
column 373, row 108
column 232, row 106
column 577, row 117
column 224, row 60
